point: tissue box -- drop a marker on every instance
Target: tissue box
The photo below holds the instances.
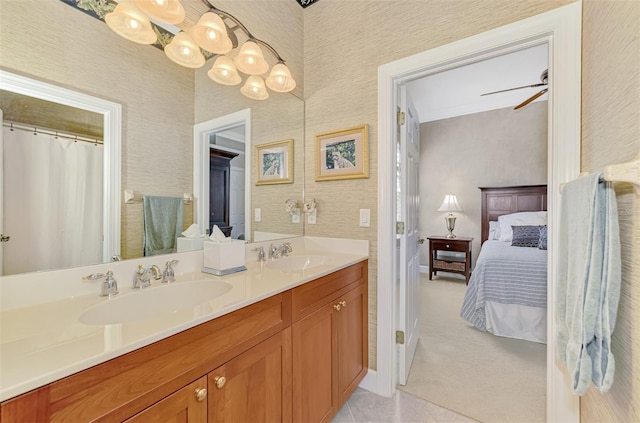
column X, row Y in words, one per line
column 190, row 244
column 222, row 258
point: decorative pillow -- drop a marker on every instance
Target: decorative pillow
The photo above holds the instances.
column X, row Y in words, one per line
column 519, row 219
column 542, row 242
column 526, row 236
column 494, row 231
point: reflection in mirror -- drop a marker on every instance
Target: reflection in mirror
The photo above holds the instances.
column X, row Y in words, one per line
column 160, row 103
column 55, row 177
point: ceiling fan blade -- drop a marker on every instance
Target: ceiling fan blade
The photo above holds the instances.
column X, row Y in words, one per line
column 530, row 99
column 516, row 88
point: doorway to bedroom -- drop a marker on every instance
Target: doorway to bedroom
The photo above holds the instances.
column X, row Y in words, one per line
column 470, row 140
column 560, row 30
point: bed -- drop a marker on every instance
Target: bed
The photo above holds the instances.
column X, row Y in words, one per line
column 507, row 292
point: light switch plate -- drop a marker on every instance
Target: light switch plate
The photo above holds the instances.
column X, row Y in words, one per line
column 257, row 214
column 311, row 218
column 365, row 218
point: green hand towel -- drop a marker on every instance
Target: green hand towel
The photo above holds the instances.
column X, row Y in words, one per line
column 162, row 224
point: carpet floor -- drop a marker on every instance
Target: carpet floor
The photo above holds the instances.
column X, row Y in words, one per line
column 488, row 378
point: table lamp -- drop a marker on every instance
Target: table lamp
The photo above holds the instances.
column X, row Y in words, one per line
column 450, row 204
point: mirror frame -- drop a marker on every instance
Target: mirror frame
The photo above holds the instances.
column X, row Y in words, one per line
column 112, row 128
column 201, row 149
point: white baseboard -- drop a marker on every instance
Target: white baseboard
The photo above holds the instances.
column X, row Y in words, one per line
column 370, row 382
column 424, row 269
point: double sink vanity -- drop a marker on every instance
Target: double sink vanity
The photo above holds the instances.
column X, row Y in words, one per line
column 285, row 340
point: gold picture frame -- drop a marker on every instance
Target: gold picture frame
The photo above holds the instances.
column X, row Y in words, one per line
column 274, row 163
column 342, row 154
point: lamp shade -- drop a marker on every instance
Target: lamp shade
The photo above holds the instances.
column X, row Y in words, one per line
column 224, row 72
column 254, row 88
column 129, row 22
column 450, row 204
column 210, row 33
column 280, row 79
column 250, row 59
column 184, row 51
column 167, row 11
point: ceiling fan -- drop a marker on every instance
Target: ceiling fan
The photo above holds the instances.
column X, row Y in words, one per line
column 544, row 78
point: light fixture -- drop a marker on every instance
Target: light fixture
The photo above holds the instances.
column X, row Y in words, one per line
column 211, row 34
column 250, row 60
column 450, row 204
column 280, row 79
column 224, row 72
column 184, row 51
column 254, row 88
column 167, row 11
column 128, row 21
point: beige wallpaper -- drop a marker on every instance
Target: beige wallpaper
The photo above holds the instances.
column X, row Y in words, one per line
column 52, row 42
column 611, row 134
column 341, row 63
column 497, row 148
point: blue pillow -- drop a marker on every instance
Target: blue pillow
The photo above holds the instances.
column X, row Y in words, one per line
column 526, row 236
column 542, row 243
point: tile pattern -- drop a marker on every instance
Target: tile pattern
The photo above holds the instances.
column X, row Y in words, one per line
column 364, row 406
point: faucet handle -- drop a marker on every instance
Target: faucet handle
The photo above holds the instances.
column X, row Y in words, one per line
column 260, row 250
column 168, row 275
column 109, row 285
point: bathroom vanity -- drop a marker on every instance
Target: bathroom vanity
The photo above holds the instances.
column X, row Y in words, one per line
column 284, row 344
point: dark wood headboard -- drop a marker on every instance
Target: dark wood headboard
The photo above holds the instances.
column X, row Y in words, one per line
column 505, row 200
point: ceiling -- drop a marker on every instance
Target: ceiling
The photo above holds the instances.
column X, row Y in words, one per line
column 456, row 92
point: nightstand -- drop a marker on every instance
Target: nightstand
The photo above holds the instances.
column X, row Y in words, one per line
column 451, row 264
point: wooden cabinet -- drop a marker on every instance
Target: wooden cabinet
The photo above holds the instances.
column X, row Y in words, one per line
column 255, row 386
column 188, row 405
column 330, row 355
column 251, row 365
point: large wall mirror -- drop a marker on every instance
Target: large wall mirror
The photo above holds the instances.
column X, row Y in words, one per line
column 161, row 105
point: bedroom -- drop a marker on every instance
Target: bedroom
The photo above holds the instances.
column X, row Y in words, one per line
column 465, row 146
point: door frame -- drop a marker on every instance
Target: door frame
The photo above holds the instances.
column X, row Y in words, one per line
column 561, row 29
column 201, row 166
column 112, row 138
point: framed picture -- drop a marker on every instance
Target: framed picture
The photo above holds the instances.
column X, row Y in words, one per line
column 274, row 163
column 342, row 154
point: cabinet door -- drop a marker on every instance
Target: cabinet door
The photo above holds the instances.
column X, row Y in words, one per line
column 352, row 341
column 255, row 386
column 187, row 405
column 314, row 369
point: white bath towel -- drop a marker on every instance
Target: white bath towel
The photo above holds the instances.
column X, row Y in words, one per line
column 589, row 279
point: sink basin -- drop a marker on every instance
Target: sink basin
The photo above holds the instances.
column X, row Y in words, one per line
column 154, row 301
column 299, row 262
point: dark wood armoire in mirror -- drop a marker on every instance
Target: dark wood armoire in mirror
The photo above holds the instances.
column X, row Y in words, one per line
column 219, row 189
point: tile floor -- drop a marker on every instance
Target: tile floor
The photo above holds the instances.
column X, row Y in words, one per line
column 366, row 407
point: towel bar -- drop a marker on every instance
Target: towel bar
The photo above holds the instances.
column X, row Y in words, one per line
column 622, row 172
column 131, row 196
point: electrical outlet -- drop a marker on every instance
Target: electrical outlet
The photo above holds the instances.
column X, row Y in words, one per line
column 257, row 214
column 311, row 218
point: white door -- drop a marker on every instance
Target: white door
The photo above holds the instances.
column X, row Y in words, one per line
column 408, row 206
column 1, row 194
column 236, row 203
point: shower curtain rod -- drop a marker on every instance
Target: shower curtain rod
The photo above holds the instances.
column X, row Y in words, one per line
column 35, row 130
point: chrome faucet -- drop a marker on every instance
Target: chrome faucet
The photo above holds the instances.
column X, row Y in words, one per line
column 109, row 286
column 142, row 277
column 169, row 275
column 283, row 250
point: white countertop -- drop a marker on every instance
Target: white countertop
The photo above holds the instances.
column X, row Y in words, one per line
column 43, row 342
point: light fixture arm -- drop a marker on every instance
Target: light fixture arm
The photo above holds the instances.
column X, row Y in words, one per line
column 244, row 29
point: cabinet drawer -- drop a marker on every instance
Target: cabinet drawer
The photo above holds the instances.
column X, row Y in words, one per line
column 449, row 246
column 307, row 298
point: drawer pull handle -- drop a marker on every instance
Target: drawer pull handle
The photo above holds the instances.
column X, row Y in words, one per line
column 201, row 394
column 447, row 245
column 220, row 381
column 337, row 307
column 343, row 304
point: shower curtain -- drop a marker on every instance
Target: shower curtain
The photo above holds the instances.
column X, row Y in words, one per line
column 52, row 202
